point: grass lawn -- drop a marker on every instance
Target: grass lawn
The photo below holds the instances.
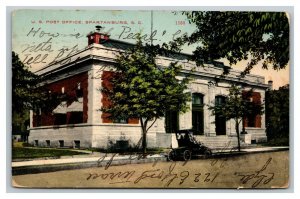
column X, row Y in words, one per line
column 130, row 150
column 20, row 152
column 277, row 142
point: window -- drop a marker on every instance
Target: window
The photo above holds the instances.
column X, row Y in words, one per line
column 220, row 100
column 197, row 114
column 48, row 143
column 75, row 112
column 60, row 119
column 251, row 121
column 197, row 99
column 120, row 121
column 220, row 120
column 172, row 121
column 76, row 118
column 77, row 144
column 59, row 112
column 36, row 143
column 122, row 145
column 61, row 143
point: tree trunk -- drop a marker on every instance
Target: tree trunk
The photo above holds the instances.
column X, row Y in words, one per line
column 144, row 142
column 243, row 123
column 144, row 136
column 238, row 134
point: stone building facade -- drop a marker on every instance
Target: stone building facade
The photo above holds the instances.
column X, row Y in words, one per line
column 78, row 121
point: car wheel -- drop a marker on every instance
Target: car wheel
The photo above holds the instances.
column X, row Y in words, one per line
column 171, row 155
column 187, row 155
column 207, row 153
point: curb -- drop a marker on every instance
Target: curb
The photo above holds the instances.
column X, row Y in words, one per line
column 81, row 165
column 237, row 153
column 23, row 170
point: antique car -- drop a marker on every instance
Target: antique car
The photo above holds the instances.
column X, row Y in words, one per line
column 188, row 147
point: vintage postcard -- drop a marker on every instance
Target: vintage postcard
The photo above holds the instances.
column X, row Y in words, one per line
column 150, row 99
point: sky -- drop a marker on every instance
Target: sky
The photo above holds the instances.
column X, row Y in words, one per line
column 41, row 36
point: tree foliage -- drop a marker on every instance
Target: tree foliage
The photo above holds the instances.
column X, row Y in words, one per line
column 142, row 89
column 23, row 81
column 237, row 107
column 277, row 114
column 236, row 36
column 25, row 94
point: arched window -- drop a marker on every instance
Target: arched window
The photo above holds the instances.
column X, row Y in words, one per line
column 172, row 121
column 197, row 99
column 197, row 114
column 220, row 120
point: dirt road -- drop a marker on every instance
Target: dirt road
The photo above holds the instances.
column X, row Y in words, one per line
column 262, row 170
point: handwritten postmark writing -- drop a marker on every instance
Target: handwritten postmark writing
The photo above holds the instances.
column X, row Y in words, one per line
column 47, row 49
column 258, row 170
column 167, row 176
column 257, row 177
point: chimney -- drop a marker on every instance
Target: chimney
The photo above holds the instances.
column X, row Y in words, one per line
column 97, row 37
column 270, row 83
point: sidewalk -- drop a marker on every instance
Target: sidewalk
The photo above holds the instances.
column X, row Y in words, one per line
column 104, row 160
column 254, row 149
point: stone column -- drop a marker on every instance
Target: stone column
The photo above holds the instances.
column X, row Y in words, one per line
column 94, row 94
column 185, row 119
column 263, row 116
column 31, row 119
column 208, row 114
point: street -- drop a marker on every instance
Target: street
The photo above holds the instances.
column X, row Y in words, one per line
column 259, row 170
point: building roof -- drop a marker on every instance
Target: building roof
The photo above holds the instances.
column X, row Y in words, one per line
column 122, row 45
column 107, row 50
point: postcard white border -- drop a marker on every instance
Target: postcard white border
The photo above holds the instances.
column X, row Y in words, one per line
column 5, row 83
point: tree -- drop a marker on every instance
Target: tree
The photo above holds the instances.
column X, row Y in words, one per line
column 25, row 94
column 277, row 115
column 141, row 89
column 236, row 36
column 238, row 107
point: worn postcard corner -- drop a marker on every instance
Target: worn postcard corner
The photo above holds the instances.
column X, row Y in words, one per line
column 16, row 185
